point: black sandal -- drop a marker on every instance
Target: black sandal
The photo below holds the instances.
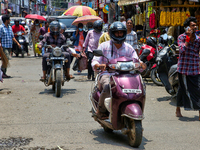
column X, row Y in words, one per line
column 42, row 79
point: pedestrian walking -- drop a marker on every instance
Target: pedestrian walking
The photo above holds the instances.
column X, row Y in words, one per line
column 6, row 40
column 188, row 94
column 43, row 30
column 35, row 28
column 105, row 36
column 91, row 43
column 123, row 20
column 79, row 38
column 131, row 36
column 26, row 35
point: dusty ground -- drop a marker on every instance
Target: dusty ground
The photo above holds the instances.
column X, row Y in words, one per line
column 31, row 117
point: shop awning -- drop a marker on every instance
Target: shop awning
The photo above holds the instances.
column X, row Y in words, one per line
column 129, row 2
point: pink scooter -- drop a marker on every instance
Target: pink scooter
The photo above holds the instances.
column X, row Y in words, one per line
column 125, row 106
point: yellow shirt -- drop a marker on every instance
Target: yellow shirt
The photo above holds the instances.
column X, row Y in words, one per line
column 104, row 37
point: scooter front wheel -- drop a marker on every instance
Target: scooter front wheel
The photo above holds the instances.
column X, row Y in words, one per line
column 108, row 130
column 135, row 132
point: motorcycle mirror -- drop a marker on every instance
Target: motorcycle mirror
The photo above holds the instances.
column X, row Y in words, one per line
column 146, row 52
column 70, row 44
column 98, row 52
column 72, row 38
column 165, row 36
column 41, row 37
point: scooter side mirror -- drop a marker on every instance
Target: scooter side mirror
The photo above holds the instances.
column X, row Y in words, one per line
column 98, row 53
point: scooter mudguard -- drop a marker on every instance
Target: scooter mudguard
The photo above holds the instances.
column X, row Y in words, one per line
column 132, row 111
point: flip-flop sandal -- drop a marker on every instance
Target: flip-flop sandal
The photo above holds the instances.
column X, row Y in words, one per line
column 42, row 79
column 67, row 79
column 72, row 77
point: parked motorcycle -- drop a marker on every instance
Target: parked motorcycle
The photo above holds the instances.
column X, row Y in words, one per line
column 55, row 75
column 167, row 69
column 125, row 107
column 19, row 36
column 148, row 54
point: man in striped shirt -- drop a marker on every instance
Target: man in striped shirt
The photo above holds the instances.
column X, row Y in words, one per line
column 188, row 68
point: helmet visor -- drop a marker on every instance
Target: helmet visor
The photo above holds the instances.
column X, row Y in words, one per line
column 55, row 29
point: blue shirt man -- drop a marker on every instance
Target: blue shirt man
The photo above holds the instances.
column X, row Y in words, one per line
column 6, row 38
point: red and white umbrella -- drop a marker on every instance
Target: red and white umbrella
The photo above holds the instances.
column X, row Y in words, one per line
column 80, row 11
column 85, row 19
column 35, row 17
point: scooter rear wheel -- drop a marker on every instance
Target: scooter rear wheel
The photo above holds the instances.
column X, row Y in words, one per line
column 135, row 132
column 108, row 130
column 155, row 77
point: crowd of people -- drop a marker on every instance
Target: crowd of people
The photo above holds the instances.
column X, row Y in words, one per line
column 119, row 40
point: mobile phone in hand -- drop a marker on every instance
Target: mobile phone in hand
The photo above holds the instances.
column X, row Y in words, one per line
column 187, row 28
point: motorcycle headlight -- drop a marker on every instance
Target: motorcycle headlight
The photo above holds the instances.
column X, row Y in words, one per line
column 125, row 66
column 57, row 51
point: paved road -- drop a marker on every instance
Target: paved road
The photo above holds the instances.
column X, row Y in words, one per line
column 32, row 116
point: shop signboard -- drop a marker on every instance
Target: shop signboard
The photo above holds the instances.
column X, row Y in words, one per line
column 2, row 8
column 95, row 4
column 101, row 5
column 13, row 7
column 107, row 1
column 17, row 9
column 129, row 2
column 194, row 0
column 26, row 3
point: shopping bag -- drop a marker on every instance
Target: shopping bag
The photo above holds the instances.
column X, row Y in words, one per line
column 83, row 62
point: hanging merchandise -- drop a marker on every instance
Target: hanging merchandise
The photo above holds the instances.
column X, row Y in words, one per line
column 178, row 17
column 136, row 20
column 144, row 16
column 133, row 19
column 173, row 20
column 183, row 16
column 187, row 14
column 106, row 9
column 150, row 9
column 152, row 20
column 163, row 18
column 140, row 19
column 168, row 18
column 197, row 15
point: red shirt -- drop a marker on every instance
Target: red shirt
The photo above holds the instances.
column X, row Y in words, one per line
column 16, row 29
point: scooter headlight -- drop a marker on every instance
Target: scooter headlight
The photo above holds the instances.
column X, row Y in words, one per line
column 57, row 51
column 19, row 33
column 125, row 66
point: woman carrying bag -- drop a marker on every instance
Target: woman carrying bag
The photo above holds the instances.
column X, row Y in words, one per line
column 79, row 38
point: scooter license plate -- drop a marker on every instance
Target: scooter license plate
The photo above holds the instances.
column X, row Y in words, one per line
column 131, row 91
column 59, row 58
